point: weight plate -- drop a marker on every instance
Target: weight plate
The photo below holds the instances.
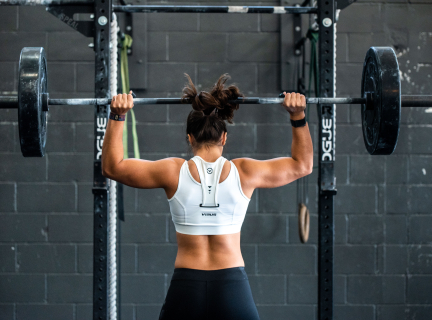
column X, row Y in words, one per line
column 32, row 119
column 381, row 121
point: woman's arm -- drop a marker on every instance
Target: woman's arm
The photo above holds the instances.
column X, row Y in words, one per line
column 281, row 171
column 133, row 172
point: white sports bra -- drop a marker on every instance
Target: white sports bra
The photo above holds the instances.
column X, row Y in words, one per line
column 209, row 207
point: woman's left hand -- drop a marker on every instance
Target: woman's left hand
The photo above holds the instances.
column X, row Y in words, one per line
column 122, row 103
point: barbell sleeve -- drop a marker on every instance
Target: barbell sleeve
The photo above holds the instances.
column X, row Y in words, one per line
column 416, row 101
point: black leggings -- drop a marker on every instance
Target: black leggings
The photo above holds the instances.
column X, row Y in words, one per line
column 209, row 295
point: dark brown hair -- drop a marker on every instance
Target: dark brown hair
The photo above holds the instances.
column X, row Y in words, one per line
column 206, row 122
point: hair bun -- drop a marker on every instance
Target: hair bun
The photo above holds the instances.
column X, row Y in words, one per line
column 218, row 97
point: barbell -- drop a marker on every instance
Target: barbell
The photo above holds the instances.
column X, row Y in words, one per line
column 380, row 101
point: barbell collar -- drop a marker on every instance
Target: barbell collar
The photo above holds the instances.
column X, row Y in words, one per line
column 416, row 101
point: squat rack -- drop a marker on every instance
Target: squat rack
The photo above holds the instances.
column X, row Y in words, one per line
column 99, row 29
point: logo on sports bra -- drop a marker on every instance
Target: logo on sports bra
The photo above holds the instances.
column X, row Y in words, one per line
column 209, row 214
column 209, row 170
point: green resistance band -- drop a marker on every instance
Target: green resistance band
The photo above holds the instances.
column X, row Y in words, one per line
column 124, row 71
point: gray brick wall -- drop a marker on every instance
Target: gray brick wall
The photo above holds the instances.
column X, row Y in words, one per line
column 383, row 222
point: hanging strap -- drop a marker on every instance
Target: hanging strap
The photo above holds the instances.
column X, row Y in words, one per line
column 209, row 173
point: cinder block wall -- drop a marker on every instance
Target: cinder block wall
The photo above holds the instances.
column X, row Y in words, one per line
column 383, row 220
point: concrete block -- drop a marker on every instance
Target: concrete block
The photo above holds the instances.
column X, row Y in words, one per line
column 152, row 201
column 36, row 258
column 342, row 312
column 9, row 19
column 8, row 76
column 62, row 77
column 342, row 47
column 259, row 228
column 366, row 229
column 144, row 228
column 85, row 198
column 142, row 288
column 242, row 74
column 69, row 288
column 158, row 45
column 10, row 144
column 176, row 80
column 129, row 258
column 148, row 312
column 7, row 258
column 22, row 227
column 156, row 258
column 420, row 259
column 419, row 288
column 210, row 22
column 268, row 289
column 419, row 144
column 274, row 139
column 165, row 138
column 420, row 170
column 341, row 169
column 397, row 170
column 85, row 77
column 196, row 47
column 365, row 199
column 397, row 198
column 302, row 289
column 359, row 43
column 280, row 199
column 249, row 253
column 15, row 167
column 84, row 137
column 172, row 22
column 343, row 113
column 85, row 258
column 403, row 312
column 286, row 312
column 348, row 77
column 421, row 199
column 71, row 114
column 69, row 46
column 70, row 167
column 241, row 138
column 396, row 259
column 7, row 311
column 341, row 229
column 15, row 288
column 359, row 259
column 419, row 229
column 40, row 311
column 365, row 17
column 70, row 228
column 148, row 113
column 17, row 41
column 396, row 230
column 366, row 169
column 376, row 289
column 37, row 18
column 404, row 141
column 304, row 264
column 61, row 197
column 340, row 289
column 7, row 190
column 259, row 47
column 269, row 82
column 60, row 137
column 269, row 22
column 350, row 140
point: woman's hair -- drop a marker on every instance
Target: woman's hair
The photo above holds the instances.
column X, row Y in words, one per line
column 206, row 122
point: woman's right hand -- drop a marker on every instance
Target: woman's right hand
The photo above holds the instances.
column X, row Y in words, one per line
column 295, row 104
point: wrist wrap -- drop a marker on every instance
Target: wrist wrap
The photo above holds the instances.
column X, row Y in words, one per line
column 117, row 117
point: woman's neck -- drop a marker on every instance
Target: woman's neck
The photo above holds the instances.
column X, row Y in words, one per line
column 209, row 154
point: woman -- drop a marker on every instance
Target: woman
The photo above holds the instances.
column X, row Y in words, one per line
column 208, row 198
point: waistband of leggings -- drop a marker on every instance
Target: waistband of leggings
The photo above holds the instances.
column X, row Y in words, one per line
column 237, row 273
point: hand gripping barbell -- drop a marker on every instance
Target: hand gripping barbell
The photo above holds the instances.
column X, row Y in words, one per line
column 380, row 101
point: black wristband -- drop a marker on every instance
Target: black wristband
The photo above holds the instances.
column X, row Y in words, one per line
column 298, row 123
column 117, row 117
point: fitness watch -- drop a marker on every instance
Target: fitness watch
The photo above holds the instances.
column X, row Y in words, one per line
column 298, row 123
column 117, row 117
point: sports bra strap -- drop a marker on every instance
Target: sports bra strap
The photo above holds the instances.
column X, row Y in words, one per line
column 209, row 173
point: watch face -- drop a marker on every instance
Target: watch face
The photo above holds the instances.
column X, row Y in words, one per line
column 116, row 117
